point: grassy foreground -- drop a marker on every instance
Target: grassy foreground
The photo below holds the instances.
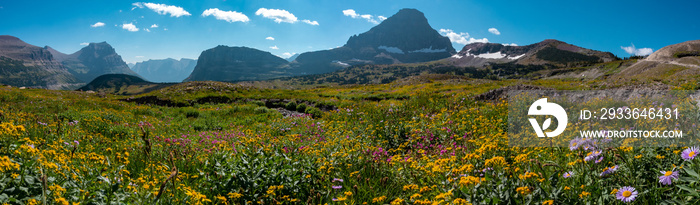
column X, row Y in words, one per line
column 428, row 143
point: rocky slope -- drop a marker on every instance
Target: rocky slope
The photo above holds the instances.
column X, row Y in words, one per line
column 25, row 65
column 224, row 63
column 674, row 62
column 405, row 37
column 165, row 70
column 549, row 52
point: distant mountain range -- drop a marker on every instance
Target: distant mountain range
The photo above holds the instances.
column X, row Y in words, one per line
column 404, row 40
column 22, row 64
column 165, row 70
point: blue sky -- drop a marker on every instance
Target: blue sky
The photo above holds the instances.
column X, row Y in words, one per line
column 184, row 29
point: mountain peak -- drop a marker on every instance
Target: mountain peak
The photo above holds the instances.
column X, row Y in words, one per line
column 407, row 30
column 9, row 38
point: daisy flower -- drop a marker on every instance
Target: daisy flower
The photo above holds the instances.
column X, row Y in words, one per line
column 627, row 194
column 568, row 174
column 668, row 177
column 609, row 170
column 592, row 155
column 690, row 153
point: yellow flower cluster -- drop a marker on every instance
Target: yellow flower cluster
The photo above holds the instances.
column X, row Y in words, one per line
column 7, row 165
column 10, row 129
column 523, row 190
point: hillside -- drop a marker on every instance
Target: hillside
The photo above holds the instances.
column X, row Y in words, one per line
column 25, row 65
column 549, row 53
column 677, row 62
column 122, row 84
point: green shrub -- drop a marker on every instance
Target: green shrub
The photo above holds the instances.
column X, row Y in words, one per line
column 261, row 110
column 291, row 105
column 192, row 113
column 301, row 107
column 315, row 112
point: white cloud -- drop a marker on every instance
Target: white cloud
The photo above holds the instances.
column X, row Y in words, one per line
column 147, row 30
column 165, row 29
column 162, row 9
column 315, row 23
column 277, row 14
column 229, row 16
column 84, row 44
column 288, row 54
column 154, row 26
column 98, row 24
column 510, row 44
column 274, row 47
column 632, row 50
column 494, row 31
column 461, row 38
column 351, row 13
column 270, row 38
column 130, row 27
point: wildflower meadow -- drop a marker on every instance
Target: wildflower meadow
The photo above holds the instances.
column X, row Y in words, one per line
column 425, row 143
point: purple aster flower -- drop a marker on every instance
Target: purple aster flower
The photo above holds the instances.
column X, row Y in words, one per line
column 690, row 153
column 668, row 177
column 568, row 174
column 574, row 144
column 337, row 180
column 609, row 170
column 337, row 187
column 592, row 155
column 627, row 194
column 599, row 160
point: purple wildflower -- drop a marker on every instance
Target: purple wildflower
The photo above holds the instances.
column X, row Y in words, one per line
column 627, row 194
column 568, row 174
column 337, row 180
column 609, row 170
column 690, row 153
column 592, row 155
column 668, row 177
column 337, row 187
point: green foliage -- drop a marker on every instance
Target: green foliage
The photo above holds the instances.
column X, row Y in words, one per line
column 301, row 107
column 566, row 57
column 291, row 105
